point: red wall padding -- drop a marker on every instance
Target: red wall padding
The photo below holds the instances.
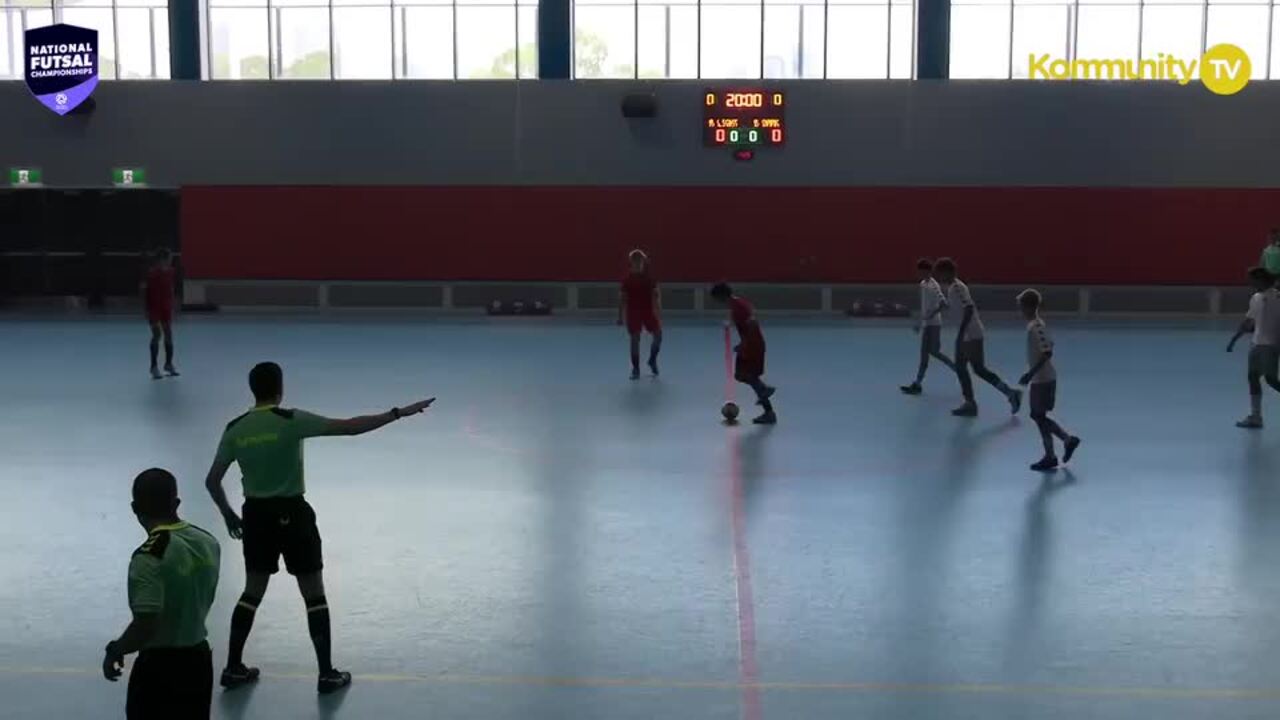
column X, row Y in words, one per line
column 999, row 235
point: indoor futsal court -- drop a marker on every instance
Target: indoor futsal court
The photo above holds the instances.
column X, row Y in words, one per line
column 553, row 541
column 639, row 360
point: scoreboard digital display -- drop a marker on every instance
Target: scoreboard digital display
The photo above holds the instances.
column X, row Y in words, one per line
column 744, row 119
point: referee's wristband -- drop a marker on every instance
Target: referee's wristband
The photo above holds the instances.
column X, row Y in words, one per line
column 395, row 413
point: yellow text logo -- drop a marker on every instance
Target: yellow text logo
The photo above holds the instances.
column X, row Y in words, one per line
column 1224, row 69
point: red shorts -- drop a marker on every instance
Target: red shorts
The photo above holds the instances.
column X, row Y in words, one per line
column 749, row 365
column 160, row 314
column 650, row 322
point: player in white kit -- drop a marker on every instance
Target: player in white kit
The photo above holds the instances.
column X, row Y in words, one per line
column 970, row 344
column 1043, row 379
column 932, row 303
column 1263, row 320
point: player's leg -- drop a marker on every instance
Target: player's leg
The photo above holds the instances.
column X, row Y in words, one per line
column 200, row 689
column 261, row 543
column 156, row 332
column 1256, row 370
column 1044, row 398
column 655, row 345
column 189, row 677
column 143, row 700
column 929, row 345
column 167, row 328
column 1050, row 459
column 978, row 359
column 1271, row 366
column 970, row 407
column 635, row 354
column 311, row 585
column 236, row 672
column 749, row 370
column 304, row 558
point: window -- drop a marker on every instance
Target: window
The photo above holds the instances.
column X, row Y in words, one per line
column 1039, row 28
column 981, row 37
column 372, row 39
column 362, row 40
column 1243, row 23
column 1107, row 29
column 604, row 39
column 667, row 39
column 744, row 38
column 139, row 28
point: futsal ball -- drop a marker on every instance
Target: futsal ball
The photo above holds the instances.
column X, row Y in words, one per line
column 730, row 411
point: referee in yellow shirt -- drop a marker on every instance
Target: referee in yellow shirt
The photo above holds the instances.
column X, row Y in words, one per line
column 172, row 580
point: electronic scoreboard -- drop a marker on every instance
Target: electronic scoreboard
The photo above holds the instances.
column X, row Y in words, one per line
column 744, row 119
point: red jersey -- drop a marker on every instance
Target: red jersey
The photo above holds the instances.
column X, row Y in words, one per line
column 159, row 287
column 744, row 318
column 638, row 289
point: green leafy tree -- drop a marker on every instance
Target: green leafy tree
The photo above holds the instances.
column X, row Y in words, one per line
column 589, row 54
column 504, row 66
column 311, row 65
column 253, row 67
column 591, row 58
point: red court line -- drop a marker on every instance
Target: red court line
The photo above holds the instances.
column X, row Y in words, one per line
column 748, row 671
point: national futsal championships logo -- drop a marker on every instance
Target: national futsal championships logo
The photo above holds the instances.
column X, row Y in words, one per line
column 1224, row 69
column 61, row 65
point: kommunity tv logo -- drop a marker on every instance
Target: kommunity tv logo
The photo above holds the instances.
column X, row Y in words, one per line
column 1224, row 69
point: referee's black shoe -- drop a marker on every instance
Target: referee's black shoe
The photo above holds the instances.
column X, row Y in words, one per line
column 332, row 681
column 234, row 677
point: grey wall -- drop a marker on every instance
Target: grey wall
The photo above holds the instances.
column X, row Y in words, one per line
column 839, row 133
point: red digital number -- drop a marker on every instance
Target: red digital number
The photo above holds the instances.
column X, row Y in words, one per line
column 720, row 135
column 744, row 100
column 776, row 136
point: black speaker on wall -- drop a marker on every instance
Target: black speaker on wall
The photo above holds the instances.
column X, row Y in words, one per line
column 640, row 105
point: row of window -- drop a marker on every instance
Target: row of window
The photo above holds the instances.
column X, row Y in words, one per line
column 996, row 40
column 133, row 35
column 478, row 39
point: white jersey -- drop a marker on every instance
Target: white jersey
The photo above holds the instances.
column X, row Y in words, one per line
column 1038, row 345
column 1264, row 311
column 931, row 299
column 959, row 298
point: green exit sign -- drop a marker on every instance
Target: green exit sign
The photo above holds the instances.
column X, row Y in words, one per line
column 129, row 177
column 26, row 177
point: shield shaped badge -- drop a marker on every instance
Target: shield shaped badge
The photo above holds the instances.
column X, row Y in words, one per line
column 61, row 65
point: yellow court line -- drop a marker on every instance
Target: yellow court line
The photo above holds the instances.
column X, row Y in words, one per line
column 1171, row 693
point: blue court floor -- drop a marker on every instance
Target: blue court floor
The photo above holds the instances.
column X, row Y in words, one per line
column 553, row 541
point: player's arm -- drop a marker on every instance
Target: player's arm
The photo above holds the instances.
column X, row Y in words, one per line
column 135, row 636
column 1044, row 358
column 213, row 483
column 1247, row 324
column 622, row 304
column 964, row 323
column 362, row 424
column 1246, row 327
column 940, row 304
column 657, row 300
column 146, row 601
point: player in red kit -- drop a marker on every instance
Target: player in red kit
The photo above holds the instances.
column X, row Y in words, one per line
column 639, row 306
column 749, row 366
column 157, row 294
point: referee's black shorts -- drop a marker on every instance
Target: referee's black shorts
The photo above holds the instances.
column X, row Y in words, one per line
column 281, row 526
column 171, row 683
